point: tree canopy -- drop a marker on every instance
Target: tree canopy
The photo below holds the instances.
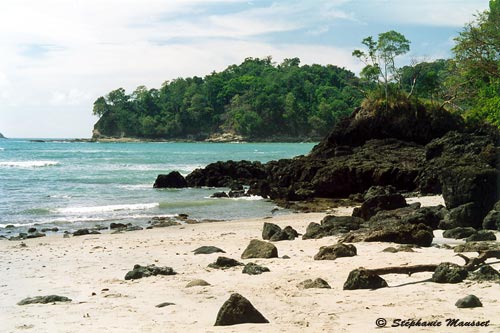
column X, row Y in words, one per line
column 257, row 99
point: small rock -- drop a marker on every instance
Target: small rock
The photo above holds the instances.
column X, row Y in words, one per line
column 333, row 252
column 151, row 270
column 238, row 310
column 164, row 304
column 269, row 230
column 470, row 301
column 485, row 273
column 317, row 283
column 219, row 195
column 224, row 262
column 208, row 250
column 44, row 300
column 114, row 226
column 197, row 283
column 254, row 269
column 31, row 230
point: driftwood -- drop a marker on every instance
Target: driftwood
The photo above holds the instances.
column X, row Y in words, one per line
column 471, row 264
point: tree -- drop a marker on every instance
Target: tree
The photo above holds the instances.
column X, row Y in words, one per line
column 477, row 58
column 379, row 58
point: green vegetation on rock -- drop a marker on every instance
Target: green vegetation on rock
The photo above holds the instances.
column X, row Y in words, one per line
column 257, row 99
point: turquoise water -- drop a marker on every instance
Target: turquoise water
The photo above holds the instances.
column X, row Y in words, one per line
column 73, row 185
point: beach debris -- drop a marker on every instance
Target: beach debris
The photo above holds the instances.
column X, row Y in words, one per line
column 470, row 301
column 332, row 225
column 150, row 270
column 481, row 235
column 208, row 250
column 333, row 252
column 254, row 269
column 225, row 262
column 364, row 279
column 448, row 272
column 317, row 283
column 172, row 180
column 259, row 249
column 164, row 304
column 238, row 310
column 459, row 232
column 44, row 300
column 197, row 283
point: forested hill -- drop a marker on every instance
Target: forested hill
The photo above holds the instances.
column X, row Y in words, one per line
column 258, row 100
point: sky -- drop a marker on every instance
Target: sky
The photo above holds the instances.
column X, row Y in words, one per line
column 58, row 56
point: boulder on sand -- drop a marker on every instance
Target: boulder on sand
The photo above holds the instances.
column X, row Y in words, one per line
column 238, row 310
column 259, row 249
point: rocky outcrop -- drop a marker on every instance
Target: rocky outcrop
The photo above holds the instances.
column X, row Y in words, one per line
column 238, row 310
column 172, row 180
column 224, row 174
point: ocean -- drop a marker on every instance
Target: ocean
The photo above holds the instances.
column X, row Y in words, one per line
column 74, row 185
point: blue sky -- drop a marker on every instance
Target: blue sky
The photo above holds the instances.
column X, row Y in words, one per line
column 58, row 56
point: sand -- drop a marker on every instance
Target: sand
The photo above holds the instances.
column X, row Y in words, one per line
column 90, row 270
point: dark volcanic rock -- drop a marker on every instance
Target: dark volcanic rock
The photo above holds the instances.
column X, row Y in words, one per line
column 470, row 301
column 429, row 216
column 477, row 247
column 44, row 300
column 466, row 215
column 459, row 232
column 449, row 273
column 172, row 180
column 260, row 249
column 82, row 232
column 363, row 279
column 332, row 225
column 492, row 219
column 317, row 283
column 225, row 262
column 481, row 235
column 485, row 273
column 269, row 230
column 377, row 203
column 208, row 250
column 220, row 195
column 114, row 225
column 333, row 252
column 254, row 269
column 238, row 310
column 224, row 174
column 35, row 234
column 418, row 234
column 288, row 233
column 144, row 271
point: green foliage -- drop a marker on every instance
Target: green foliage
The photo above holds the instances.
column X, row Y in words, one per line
column 477, row 57
column 257, row 99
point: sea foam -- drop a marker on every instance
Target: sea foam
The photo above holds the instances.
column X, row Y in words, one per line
column 108, row 208
column 28, row 164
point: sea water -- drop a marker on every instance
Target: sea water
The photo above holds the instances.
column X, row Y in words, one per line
column 72, row 185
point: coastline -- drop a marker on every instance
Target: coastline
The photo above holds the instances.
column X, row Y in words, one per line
column 90, row 270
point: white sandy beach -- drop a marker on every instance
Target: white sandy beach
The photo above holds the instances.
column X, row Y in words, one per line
column 77, row 267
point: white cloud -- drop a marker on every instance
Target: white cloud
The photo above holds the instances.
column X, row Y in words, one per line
column 71, row 97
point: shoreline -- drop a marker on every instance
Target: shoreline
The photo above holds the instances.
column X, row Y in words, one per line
column 90, row 270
